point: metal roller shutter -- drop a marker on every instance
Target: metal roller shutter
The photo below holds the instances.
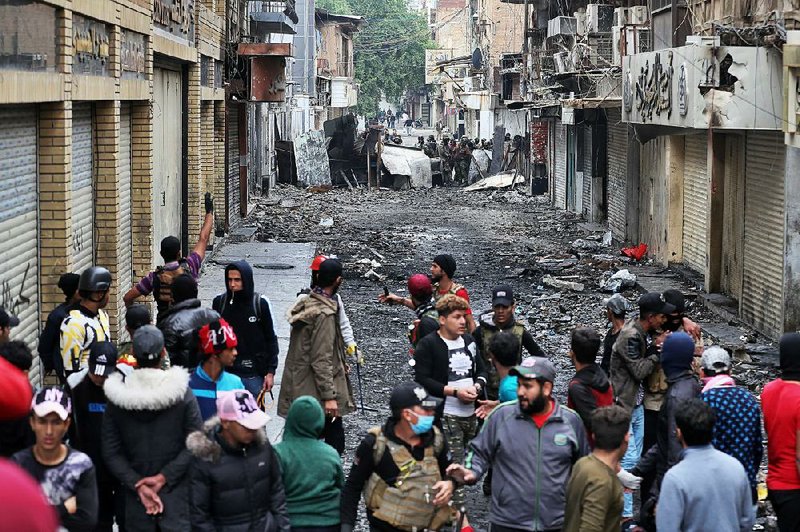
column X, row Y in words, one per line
column 233, row 163
column 762, row 290
column 695, row 203
column 82, row 188
column 617, row 173
column 588, row 172
column 560, row 188
column 125, row 235
column 19, row 225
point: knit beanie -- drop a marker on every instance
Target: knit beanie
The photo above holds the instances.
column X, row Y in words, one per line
column 447, row 263
column 789, row 354
column 676, row 354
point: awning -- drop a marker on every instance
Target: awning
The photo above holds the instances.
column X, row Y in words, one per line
column 592, row 103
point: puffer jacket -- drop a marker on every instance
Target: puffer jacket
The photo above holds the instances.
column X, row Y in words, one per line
column 234, row 489
column 180, row 325
column 630, row 364
column 148, row 416
column 315, row 363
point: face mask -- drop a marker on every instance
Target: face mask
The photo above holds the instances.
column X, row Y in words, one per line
column 673, row 323
column 423, row 424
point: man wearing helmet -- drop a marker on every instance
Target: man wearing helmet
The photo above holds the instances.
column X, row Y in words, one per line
column 87, row 322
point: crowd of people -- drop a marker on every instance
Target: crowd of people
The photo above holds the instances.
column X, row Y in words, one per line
column 167, row 431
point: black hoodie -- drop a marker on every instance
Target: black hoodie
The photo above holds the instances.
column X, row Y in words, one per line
column 258, row 344
column 589, row 390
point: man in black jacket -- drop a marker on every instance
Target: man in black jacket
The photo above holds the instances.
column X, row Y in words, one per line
column 16, row 434
column 250, row 315
column 182, row 321
column 448, row 365
column 236, row 483
column 49, row 348
column 148, row 416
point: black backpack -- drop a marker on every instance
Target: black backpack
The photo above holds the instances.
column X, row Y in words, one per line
column 222, row 300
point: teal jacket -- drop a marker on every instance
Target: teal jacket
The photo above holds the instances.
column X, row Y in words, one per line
column 312, row 470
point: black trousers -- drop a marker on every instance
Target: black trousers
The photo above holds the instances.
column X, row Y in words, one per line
column 316, row 528
column 333, row 434
column 786, row 504
column 498, row 528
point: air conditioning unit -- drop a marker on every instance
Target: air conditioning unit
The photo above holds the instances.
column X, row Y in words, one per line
column 561, row 26
column 637, row 40
column 616, row 33
column 637, row 15
column 580, row 22
column 563, row 62
column 620, row 16
column 599, row 18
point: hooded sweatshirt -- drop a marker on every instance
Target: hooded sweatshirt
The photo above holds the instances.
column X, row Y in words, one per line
column 312, row 470
column 258, row 344
column 589, row 390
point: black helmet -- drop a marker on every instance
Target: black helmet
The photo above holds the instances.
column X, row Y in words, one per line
column 95, row 279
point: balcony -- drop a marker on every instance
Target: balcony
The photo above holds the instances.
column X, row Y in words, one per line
column 272, row 17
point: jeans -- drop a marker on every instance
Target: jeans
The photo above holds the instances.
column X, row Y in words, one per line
column 253, row 385
column 633, row 453
column 786, row 504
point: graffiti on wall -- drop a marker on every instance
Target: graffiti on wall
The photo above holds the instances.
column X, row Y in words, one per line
column 12, row 297
column 654, row 88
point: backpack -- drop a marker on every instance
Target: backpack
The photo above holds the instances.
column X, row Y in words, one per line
column 221, row 302
column 162, row 283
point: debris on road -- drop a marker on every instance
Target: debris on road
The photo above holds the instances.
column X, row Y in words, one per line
column 561, row 284
column 503, row 180
column 619, row 281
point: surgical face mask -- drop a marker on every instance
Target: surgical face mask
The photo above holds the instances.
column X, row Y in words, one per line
column 423, row 424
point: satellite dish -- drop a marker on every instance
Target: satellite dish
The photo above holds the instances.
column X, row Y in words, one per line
column 477, row 58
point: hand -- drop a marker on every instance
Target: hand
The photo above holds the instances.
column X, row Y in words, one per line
column 360, row 357
column 485, row 408
column 461, row 474
column 209, row 203
column 629, row 480
column 71, row 504
column 390, row 299
column 269, row 382
column 331, row 408
column 444, row 491
column 150, row 500
column 156, row 482
column 691, row 328
column 659, row 341
column 467, row 395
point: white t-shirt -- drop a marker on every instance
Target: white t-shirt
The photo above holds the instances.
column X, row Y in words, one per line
column 459, row 376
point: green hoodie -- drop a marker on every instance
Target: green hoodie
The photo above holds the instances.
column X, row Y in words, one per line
column 312, row 470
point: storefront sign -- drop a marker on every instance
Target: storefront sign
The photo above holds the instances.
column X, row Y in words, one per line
column 175, row 17
column 654, row 88
column 132, row 55
column 28, row 36
column 90, row 41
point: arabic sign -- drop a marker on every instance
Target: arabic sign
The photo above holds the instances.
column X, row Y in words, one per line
column 431, row 58
column 175, row 17
column 91, row 49
column 28, row 36
column 132, row 55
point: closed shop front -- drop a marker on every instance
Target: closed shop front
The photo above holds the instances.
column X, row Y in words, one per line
column 19, row 224
column 617, row 173
column 695, row 202
column 560, row 177
column 653, row 198
column 82, row 187
column 167, row 156
column 125, row 229
column 232, row 147
column 762, row 288
column 588, row 173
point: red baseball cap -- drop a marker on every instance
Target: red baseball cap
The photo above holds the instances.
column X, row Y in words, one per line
column 216, row 337
column 420, row 286
column 318, row 260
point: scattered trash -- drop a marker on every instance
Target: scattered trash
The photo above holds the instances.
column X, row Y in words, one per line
column 635, row 252
column 374, row 276
column 503, row 180
column 326, row 222
column 552, row 282
column 618, row 282
column 582, row 244
column 607, row 239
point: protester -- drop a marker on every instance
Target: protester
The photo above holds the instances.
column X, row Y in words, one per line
column 449, row 366
column 183, row 320
column 159, row 282
column 315, row 363
column 531, row 446
column 89, row 405
column 136, row 316
column 616, row 309
column 707, row 488
column 148, row 417
column 780, row 401
column 7, row 322
column 250, row 315
column 49, row 340
column 421, row 291
column 737, row 431
column 502, row 318
column 20, row 490
column 210, row 380
column 503, row 355
column 312, row 470
column 235, row 477
column 87, row 322
column 594, row 493
column 15, row 391
column 66, row 476
column 16, row 433
column 589, row 389
column 401, row 468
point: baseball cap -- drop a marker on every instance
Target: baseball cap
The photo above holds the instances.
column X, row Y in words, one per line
column 148, row 343
column 241, row 406
column 52, row 399
column 102, row 359
column 217, row 336
column 136, row 316
column 654, row 302
column 7, row 319
column 502, row 295
column 419, row 286
column 535, row 368
column 318, row 260
column 716, row 358
column 410, row 393
column 331, row 267
column 617, row 304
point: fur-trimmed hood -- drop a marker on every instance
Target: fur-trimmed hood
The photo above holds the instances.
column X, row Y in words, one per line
column 205, row 445
column 148, row 389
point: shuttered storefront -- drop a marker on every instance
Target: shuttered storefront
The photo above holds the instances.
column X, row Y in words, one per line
column 695, row 202
column 762, row 290
column 82, row 188
column 588, row 172
column 19, row 224
column 560, row 177
column 233, row 163
column 125, row 272
column 617, row 173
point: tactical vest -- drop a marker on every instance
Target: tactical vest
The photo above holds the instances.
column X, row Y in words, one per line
column 408, row 505
column 162, row 284
column 413, row 329
column 454, row 287
column 487, row 333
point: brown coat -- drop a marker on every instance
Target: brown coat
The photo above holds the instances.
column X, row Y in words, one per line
column 315, row 364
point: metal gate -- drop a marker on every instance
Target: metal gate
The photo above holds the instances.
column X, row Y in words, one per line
column 82, row 188
column 617, row 173
column 125, row 272
column 571, row 159
column 560, row 177
column 233, row 162
column 19, row 276
column 764, row 221
column 695, row 202
column 732, row 229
